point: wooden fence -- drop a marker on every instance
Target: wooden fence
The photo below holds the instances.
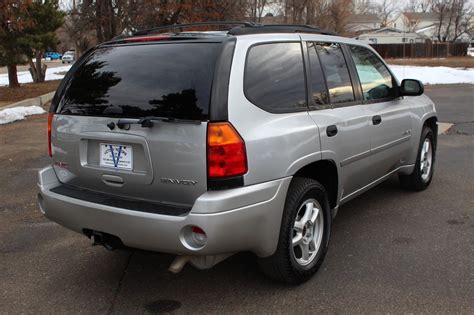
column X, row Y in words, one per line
column 421, row 50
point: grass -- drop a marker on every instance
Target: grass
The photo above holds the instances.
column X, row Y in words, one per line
column 455, row 62
column 11, row 95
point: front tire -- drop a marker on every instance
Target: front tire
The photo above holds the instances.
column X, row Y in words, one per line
column 304, row 234
column 422, row 175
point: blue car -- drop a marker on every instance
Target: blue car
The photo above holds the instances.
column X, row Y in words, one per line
column 52, row 55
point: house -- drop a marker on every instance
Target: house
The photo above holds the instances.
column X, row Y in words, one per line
column 388, row 35
column 423, row 23
column 363, row 23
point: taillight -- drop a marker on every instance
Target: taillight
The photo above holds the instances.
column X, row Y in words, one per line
column 147, row 38
column 50, row 123
column 226, row 156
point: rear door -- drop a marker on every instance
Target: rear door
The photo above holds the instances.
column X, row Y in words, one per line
column 101, row 141
column 343, row 122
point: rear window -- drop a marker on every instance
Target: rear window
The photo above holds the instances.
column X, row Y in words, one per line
column 337, row 74
column 161, row 80
column 274, row 77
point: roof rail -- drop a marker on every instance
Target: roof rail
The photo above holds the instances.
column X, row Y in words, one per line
column 278, row 28
column 181, row 26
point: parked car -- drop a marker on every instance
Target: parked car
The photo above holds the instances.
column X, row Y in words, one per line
column 470, row 51
column 52, row 55
column 253, row 148
column 69, row 57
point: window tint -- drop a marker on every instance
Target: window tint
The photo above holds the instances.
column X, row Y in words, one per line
column 376, row 80
column 165, row 80
column 318, row 86
column 336, row 72
column 274, row 77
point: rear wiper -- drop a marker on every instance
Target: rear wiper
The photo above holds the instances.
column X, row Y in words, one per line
column 147, row 122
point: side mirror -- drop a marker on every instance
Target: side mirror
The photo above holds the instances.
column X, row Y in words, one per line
column 411, row 87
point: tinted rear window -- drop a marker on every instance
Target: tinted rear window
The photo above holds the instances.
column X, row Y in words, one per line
column 337, row 74
column 161, row 80
column 274, row 77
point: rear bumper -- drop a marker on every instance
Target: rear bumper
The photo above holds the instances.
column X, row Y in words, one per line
column 234, row 220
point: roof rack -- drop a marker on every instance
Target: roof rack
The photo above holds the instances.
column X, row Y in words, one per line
column 181, row 26
column 278, row 28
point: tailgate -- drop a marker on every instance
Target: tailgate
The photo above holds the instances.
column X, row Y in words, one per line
column 162, row 161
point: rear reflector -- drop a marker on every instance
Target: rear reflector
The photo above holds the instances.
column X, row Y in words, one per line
column 50, row 123
column 199, row 237
column 226, row 155
column 197, row 230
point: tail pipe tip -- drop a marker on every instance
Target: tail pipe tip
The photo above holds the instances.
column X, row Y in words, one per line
column 178, row 264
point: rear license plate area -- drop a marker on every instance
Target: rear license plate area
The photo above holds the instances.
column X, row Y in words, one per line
column 116, row 156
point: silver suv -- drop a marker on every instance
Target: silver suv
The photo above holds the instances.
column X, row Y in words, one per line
column 204, row 144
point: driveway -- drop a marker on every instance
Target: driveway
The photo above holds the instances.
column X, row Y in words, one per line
column 392, row 251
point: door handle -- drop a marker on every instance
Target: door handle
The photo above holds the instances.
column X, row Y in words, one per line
column 376, row 120
column 112, row 180
column 331, row 131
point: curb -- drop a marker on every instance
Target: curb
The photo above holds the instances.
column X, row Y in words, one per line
column 38, row 101
column 443, row 128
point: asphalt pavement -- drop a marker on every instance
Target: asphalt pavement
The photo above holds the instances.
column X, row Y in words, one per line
column 391, row 251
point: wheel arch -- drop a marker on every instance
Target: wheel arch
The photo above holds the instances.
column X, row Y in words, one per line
column 326, row 173
column 432, row 123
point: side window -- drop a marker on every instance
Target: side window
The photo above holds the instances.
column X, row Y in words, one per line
column 376, row 80
column 336, row 72
column 318, row 85
column 274, row 77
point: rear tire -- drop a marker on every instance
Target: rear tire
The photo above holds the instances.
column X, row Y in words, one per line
column 304, row 234
column 422, row 175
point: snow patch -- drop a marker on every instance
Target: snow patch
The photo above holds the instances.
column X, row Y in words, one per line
column 434, row 75
column 19, row 113
column 56, row 73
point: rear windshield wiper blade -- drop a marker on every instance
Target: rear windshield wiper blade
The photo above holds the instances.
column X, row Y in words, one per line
column 147, row 122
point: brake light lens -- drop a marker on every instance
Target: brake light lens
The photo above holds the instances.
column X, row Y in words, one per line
column 50, row 123
column 146, row 38
column 226, row 155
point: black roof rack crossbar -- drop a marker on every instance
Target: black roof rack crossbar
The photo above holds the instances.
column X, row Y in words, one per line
column 181, row 26
column 278, row 28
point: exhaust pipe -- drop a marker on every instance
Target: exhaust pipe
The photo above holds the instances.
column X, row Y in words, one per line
column 178, row 264
column 109, row 241
column 200, row 262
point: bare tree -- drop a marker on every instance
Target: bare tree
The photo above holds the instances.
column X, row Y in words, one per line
column 462, row 20
column 339, row 13
column 418, row 6
column 385, row 10
column 328, row 14
column 363, row 7
column 454, row 18
column 255, row 8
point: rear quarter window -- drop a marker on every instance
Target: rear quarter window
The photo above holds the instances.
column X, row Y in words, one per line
column 337, row 74
column 274, row 77
column 161, row 80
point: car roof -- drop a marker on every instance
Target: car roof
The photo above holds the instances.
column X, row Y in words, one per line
column 242, row 29
column 239, row 30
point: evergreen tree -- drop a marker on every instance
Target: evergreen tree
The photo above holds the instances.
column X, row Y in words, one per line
column 26, row 31
column 39, row 35
column 11, row 28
